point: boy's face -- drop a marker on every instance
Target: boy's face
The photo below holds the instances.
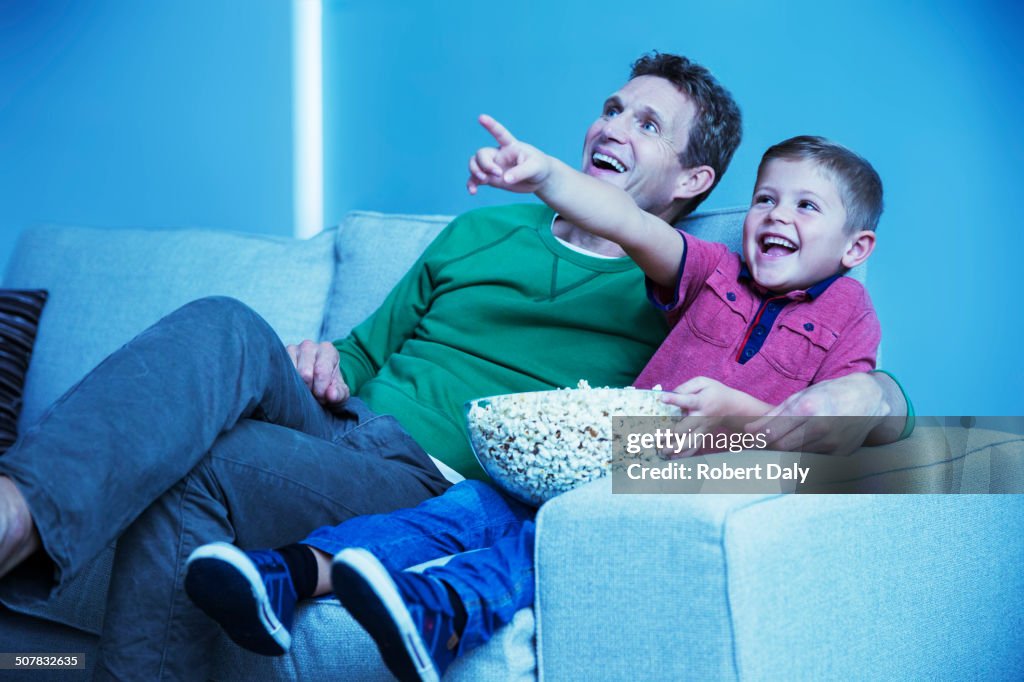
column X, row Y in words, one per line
column 635, row 143
column 793, row 234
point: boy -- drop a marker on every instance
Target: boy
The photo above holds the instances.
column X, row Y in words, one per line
column 770, row 326
column 773, row 323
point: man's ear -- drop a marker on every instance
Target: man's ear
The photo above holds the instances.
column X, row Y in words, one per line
column 694, row 182
column 858, row 249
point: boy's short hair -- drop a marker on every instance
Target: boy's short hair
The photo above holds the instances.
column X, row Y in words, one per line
column 717, row 124
column 859, row 186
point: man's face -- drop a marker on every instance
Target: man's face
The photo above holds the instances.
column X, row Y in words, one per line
column 793, row 235
column 635, row 143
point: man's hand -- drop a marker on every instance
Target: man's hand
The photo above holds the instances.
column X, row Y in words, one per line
column 859, row 402
column 514, row 166
column 318, row 365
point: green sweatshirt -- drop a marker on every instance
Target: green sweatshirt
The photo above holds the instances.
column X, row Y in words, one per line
column 497, row 305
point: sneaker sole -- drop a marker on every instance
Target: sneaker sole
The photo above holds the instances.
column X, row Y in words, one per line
column 372, row 597
column 224, row 584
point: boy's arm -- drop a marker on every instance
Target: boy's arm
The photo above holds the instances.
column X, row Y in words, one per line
column 596, row 206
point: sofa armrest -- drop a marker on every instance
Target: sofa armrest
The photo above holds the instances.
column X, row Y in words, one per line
column 780, row 586
column 637, row 582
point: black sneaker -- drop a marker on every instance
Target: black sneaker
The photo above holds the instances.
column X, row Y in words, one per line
column 250, row 594
column 409, row 615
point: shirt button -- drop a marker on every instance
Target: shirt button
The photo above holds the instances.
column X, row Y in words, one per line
column 759, row 330
column 808, row 326
column 748, row 353
column 772, row 307
column 731, row 296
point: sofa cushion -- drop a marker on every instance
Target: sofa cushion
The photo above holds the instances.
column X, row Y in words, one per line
column 19, row 319
column 106, row 286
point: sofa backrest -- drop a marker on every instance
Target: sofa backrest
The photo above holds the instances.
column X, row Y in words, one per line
column 373, row 250
column 107, row 285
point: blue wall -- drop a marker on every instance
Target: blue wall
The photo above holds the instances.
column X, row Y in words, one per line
column 147, row 114
column 930, row 92
column 151, row 114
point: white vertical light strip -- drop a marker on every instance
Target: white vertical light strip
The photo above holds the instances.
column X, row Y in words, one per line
column 308, row 115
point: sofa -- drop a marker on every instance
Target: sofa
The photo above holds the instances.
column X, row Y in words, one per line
column 764, row 585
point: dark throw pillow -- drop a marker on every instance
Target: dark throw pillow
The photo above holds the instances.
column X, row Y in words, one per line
column 19, row 319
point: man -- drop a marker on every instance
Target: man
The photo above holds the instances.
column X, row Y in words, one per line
column 236, row 445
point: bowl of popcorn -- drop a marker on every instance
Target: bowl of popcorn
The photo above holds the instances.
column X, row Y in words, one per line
column 540, row 444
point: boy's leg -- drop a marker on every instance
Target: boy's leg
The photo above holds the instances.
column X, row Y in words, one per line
column 470, row 515
column 492, row 584
column 262, row 485
column 255, row 612
column 140, row 421
column 422, row 622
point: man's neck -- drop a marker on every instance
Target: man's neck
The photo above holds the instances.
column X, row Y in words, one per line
column 587, row 241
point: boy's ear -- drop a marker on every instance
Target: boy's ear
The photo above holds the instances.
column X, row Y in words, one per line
column 694, row 181
column 860, row 246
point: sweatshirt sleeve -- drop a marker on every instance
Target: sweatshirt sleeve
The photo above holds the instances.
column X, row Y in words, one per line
column 369, row 345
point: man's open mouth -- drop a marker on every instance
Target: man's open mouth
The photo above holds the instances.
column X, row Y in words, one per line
column 606, row 162
column 773, row 245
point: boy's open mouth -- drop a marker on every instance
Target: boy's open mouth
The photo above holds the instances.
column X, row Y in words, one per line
column 775, row 246
column 606, row 162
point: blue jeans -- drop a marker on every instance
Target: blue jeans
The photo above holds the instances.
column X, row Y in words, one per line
column 492, row 582
column 197, row 430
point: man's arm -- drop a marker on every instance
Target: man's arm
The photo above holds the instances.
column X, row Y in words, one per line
column 797, row 424
column 332, row 371
column 372, row 342
column 594, row 205
column 900, row 422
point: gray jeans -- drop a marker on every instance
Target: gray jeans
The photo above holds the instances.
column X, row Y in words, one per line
column 197, row 430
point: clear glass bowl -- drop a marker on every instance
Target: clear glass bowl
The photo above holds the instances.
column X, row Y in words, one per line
column 540, row 444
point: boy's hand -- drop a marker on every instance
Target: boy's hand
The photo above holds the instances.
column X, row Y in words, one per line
column 716, row 407
column 514, row 166
column 704, row 397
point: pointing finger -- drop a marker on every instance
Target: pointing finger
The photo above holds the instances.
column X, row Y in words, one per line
column 500, row 132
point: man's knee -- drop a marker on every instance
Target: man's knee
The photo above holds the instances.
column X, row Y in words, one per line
column 222, row 313
column 217, row 307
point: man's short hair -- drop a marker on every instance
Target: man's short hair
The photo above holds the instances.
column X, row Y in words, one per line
column 858, row 183
column 717, row 125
